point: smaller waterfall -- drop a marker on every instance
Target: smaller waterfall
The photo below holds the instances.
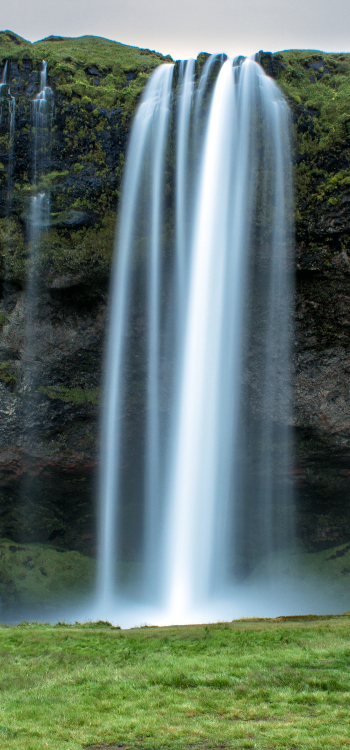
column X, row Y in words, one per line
column 4, row 74
column 7, row 123
column 3, row 89
column 39, row 214
column 7, row 103
column 42, row 114
column 7, row 156
column 38, row 220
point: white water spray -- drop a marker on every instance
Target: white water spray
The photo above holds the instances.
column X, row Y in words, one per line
column 194, row 482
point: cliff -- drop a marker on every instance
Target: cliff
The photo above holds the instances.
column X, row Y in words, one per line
column 317, row 88
column 49, row 433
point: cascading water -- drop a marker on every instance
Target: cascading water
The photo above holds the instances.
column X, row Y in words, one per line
column 140, row 218
column 43, row 105
column 38, row 218
column 7, row 123
column 195, row 447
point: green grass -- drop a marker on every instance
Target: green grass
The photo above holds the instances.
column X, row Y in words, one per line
column 69, row 61
column 329, row 96
column 281, row 683
column 321, row 115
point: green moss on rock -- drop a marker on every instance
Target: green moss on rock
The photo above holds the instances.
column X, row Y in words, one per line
column 74, row 396
column 37, row 574
column 96, row 84
column 6, row 375
column 317, row 86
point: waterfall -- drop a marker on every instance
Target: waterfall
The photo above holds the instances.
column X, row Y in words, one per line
column 195, row 427
column 42, row 114
column 140, row 221
column 7, row 122
column 38, row 219
column 183, row 192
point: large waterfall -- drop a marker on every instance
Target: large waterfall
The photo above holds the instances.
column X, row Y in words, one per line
column 195, row 449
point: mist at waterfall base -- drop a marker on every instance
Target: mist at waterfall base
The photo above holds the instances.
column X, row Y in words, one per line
column 196, row 498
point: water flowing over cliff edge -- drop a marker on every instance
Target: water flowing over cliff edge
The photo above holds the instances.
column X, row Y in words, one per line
column 217, row 301
column 96, row 87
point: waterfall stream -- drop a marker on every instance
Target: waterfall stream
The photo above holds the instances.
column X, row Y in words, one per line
column 195, row 429
column 7, row 123
column 38, row 220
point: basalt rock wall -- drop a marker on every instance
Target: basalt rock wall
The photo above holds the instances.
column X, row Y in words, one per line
column 318, row 89
column 49, row 422
column 49, row 433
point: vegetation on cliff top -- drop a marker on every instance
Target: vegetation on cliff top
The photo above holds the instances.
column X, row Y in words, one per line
column 86, row 68
column 96, row 84
column 318, row 88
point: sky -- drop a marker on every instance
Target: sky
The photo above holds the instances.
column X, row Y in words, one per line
column 183, row 28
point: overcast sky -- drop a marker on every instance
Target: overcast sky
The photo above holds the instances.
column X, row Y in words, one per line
column 185, row 27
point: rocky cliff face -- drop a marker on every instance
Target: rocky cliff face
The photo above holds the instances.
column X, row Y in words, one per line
column 49, row 397
column 317, row 87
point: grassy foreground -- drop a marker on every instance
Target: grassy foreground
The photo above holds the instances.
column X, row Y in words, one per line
column 280, row 683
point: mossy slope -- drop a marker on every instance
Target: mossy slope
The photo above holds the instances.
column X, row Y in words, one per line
column 40, row 575
column 96, row 85
column 317, row 86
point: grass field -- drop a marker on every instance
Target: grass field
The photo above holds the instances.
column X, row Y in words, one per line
column 266, row 684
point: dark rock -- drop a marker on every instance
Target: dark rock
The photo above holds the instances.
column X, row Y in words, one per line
column 271, row 63
column 320, row 68
column 92, row 70
column 14, row 70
